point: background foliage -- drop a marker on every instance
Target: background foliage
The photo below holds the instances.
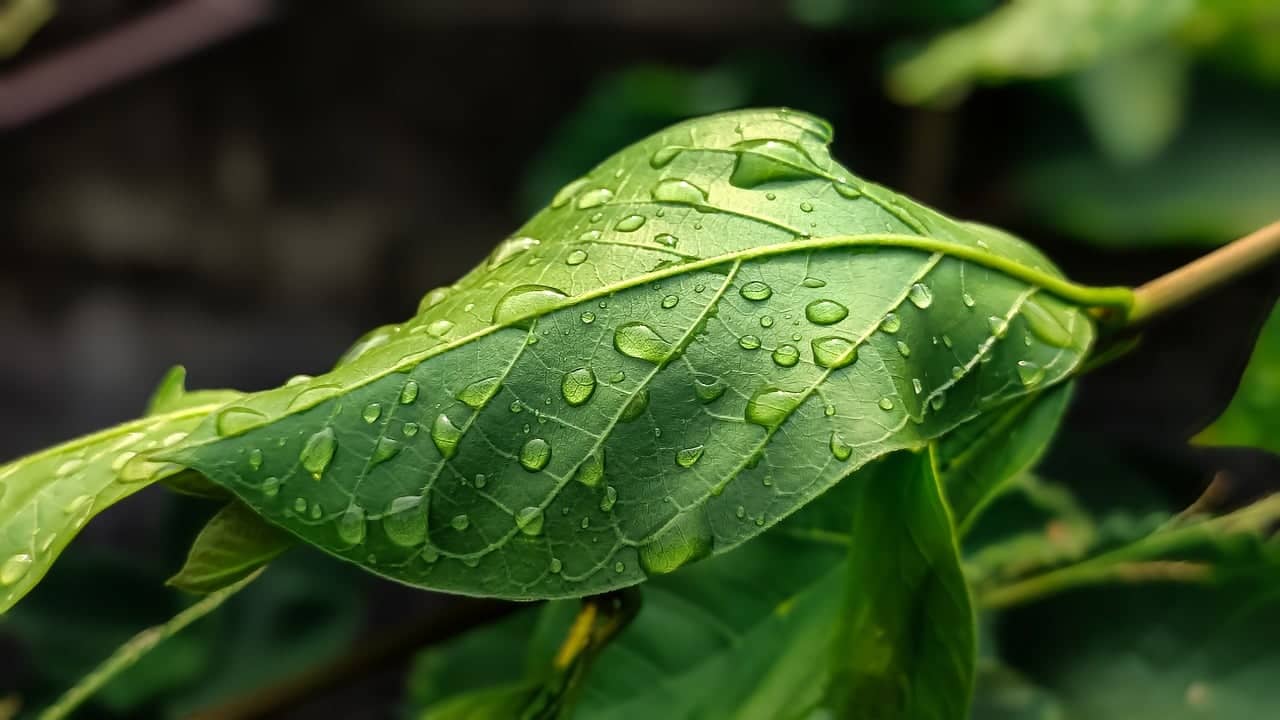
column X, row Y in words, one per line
column 249, row 210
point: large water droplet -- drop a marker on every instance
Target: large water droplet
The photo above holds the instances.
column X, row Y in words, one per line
column 687, row 539
column 687, row 457
column 409, row 393
column 708, row 387
column 756, row 290
column 535, row 454
column 524, row 301
column 567, row 192
column 318, row 451
column 371, row 412
column 445, row 435
column 594, row 198
column 674, row 190
column 577, row 257
column 845, row 190
column 770, row 406
column 833, row 352
column 786, row 355
column 825, row 312
column 630, row 223
column 591, row 471
column 663, row 156
column 578, row 386
column 840, row 449
column 1030, row 373
column 530, row 520
column 510, row 249
column 237, row 420
column 666, row 239
column 139, row 468
column 891, row 323
column 1045, row 325
column 769, row 160
column 351, row 526
column 14, row 569
column 405, row 522
column 439, row 328
column 638, row 340
column 635, row 407
column 479, row 392
column 749, row 342
column 433, row 298
column 920, row 295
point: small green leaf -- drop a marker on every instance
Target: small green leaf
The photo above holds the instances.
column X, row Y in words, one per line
column 1254, row 413
column 724, row 289
column 1134, row 102
column 234, row 543
column 908, row 634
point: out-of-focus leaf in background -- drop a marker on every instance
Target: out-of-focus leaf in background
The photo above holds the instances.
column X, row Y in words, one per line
column 1253, row 417
column 19, row 20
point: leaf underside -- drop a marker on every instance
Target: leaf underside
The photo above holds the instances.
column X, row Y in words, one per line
column 694, row 340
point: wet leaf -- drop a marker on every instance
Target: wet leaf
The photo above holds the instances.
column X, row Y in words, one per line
column 1254, row 413
column 719, row 316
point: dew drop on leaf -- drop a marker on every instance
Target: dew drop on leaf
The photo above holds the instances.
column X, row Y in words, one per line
column 384, row 450
column 405, row 522
column 236, row 420
column 409, row 393
column 636, row 407
column 255, row 459
column 674, row 190
column 904, row 349
column 666, row 239
column 766, row 321
column 594, row 198
column 813, row 282
column 630, row 223
column 530, row 520
column 687, row 539
column 770, row 406
column 410, row 429
column 920, row 295
column 555, row 565
column 371, row 413
column 609, row 499
column 891, row 323
column 300, row 505
column 1030, row 373
column 708, row 387
column 937, row 401
column 638, row 340
column 14, row 569
column 825, row 312
column 439, row 328
column 318, row 451
column 749, row 342
column 688, row 457
column 524, row 301
column 786, row 355
column 591, row 471
column 567, row 192
column 663, row 156
column 445, row 435
column 833, row 352
column 460, row 522
column 998, row 326
column 578, row 386
column 577, row 257
column 510, row 249
column 476, row 394
column 433, row 298
column 845, row 190
column 350, row 526
column 670, row 301
column 756, row 290
column 840, row 449
column 886, row 403
column 1045, row 325
column 806, row 206
column 79, row 509
column 589, row 236
column 535, row 454
column 967, row 299
column 619, row 567
column 587, row 317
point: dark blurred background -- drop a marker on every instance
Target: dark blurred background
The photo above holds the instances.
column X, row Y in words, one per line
column 245, row 187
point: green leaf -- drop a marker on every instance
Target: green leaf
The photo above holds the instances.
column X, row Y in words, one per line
column 718, row 316
column 1134, row 102
column 908, row 622
column 1032, row 39
column 1254, row 413
column 234, row 543
column 978, row 458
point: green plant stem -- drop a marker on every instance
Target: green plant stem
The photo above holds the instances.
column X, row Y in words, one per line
column 133, row 650
column 1190, row 281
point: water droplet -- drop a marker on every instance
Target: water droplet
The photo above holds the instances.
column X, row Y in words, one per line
column 68, row 467
column 920, row 295
column 786, row 355
column 967, row 299
column 300, row 506
column 619, row 567
column 271, row 486
column 741, row 512
column 636, row 407
column 771, row 196
column 806, row 206
column 594, row 198
column 833, row 352
column 591, row 471
column 840, row 449
column 318, row 451
column 350, row 526
column 886, row 403
column 237, row 420
column 371, row 413
column 670, row 301
column 663, row 156
column 1045, row 325
column 846, row 190
column 460, row 522
column 609, row 499
column 409, row 393
column 937, row 401
column 666, row 239
column 1030, row 373
column 766, row 321
column 688, row 456
column 141, row 469
column 687, row 539
column 480, row 481
column 510, row 249
column 998, row 326
column 917, row 385
column 617, row 377
column 433, row 298
column 255, row 459
column 480, row 392
column 638, row 340
column 530, row 520
column 555, row 566
column 578, row 386
column 577, row 257
column 630, row 223
column 825, row 312
column 891, row 323
column 813, row 282
column 770, row 406
column 829, row 410
column 79, row 510
column 384, row 450
column 587, row 317
column 445, row 435
column 904, row 349
column 439, row 328
column 524, row 301
column 957, row 372
column 535, row 454
column 15, row 568
column 756, row 290
column 708, row 387
column 674, row 190
column 770, row 160
column 749, row 342
column 589, row 236
column 946, row 340
column 298, row 380
column 567, row 192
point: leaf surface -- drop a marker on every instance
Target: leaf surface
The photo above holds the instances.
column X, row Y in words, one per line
column 704, row 333
column 47, row 497
column 1254, row 413
column 234, row 543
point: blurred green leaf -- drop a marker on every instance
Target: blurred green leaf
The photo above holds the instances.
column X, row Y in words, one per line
column 1133, row 102
column 1252, row 418
column 1032, row 39
column 19, row 20
column 234, row 543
